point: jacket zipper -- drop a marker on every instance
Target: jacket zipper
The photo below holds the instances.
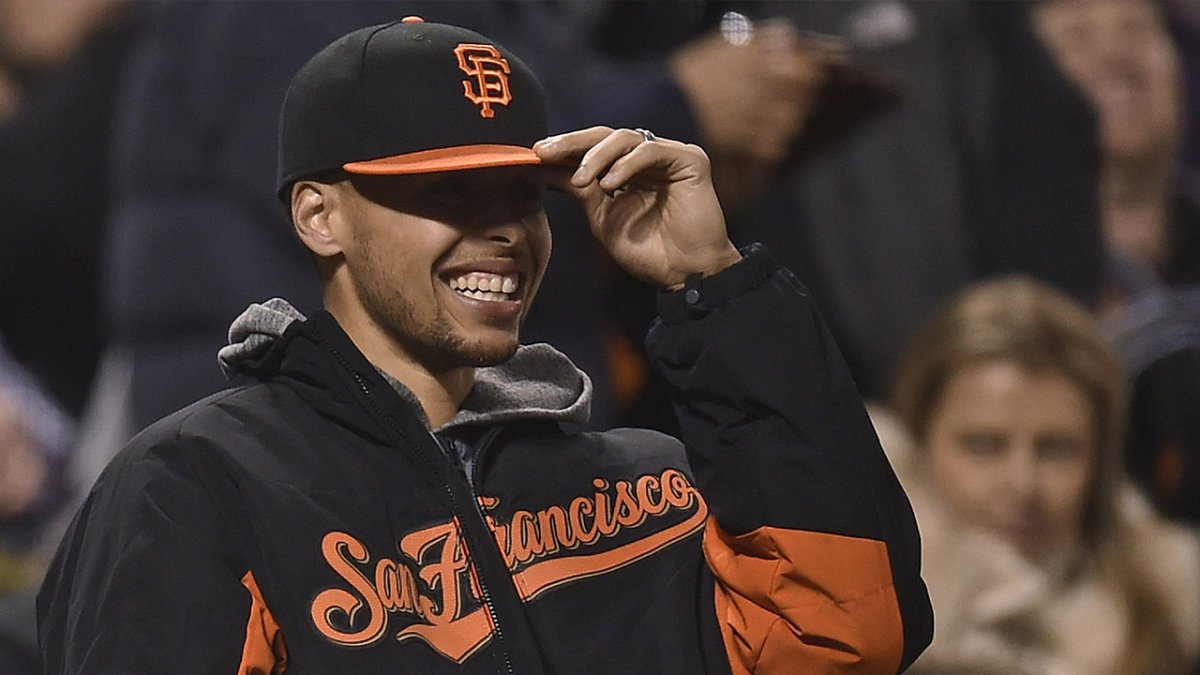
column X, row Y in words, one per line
column 452, row 453
column 454, row 504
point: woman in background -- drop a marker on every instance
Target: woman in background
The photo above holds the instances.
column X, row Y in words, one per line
column 1039, row 558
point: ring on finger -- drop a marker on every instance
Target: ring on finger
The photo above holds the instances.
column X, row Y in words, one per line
column 647, row 135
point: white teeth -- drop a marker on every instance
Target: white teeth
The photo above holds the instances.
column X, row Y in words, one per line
column 485, row 295
column 484, row 286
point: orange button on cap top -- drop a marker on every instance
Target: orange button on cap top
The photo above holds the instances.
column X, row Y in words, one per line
column 412, row 19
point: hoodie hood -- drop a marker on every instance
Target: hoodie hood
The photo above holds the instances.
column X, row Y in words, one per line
column 538, row 382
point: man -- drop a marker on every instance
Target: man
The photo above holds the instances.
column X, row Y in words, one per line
column 404, row 489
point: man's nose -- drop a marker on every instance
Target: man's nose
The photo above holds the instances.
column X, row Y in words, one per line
column 504, row 229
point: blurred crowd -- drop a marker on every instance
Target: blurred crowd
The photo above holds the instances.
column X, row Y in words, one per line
column 996, row 205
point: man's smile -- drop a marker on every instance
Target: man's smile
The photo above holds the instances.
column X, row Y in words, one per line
column 486, row 286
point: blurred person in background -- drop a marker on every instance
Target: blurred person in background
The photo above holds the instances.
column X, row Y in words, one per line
column 36, row 37
column 59, row 65
column 66, row 57
column 1036, row 550
column 1122, row 56
column 984, row 165
column 35, row 437
column 35, row 442
column 62, row 60
column 1159, row 339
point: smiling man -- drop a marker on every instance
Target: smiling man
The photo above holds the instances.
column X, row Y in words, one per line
column 432, row 272
column 401, row 487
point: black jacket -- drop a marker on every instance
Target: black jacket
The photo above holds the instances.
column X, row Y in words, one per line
column 310, row 522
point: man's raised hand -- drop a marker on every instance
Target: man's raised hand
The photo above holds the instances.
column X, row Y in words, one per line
column 650, row 201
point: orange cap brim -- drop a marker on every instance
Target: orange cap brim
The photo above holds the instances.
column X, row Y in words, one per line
column 445, row 159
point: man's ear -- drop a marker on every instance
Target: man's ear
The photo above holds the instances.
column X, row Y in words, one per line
column 316, row 212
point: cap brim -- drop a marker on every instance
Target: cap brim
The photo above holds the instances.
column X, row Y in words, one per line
column 445, row 159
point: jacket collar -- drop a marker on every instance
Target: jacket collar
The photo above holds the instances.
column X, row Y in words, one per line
column 539, row 382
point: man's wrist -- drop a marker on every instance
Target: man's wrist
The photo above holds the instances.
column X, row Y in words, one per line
column 698, row 295
column 717, row 263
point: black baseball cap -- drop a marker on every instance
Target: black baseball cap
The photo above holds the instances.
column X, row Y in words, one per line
column 408, row 97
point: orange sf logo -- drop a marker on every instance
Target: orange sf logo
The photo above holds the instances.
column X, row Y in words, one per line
column 490, row 70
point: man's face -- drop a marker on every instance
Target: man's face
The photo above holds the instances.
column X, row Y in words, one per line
column 1118, row 52
column 1014, row 452
column 447, row 264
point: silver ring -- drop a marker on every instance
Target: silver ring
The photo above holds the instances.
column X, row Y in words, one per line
column 647, row 135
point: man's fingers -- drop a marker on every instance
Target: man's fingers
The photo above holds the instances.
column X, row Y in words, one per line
column 594, row 153
column 568, row 149
column 598, row 161
column 614, row 160
column 643, row 157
